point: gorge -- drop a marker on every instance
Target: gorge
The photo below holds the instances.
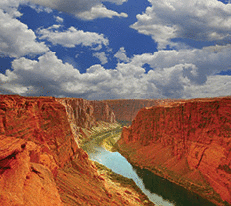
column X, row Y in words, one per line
column 42, row 161
column 186, row 142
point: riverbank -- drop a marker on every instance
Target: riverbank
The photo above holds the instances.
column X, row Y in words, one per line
column 158, row 189
column 101, row 129
column 125, row 186
column 206, row 193
column 122, row 186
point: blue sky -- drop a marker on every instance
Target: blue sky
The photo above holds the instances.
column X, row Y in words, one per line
column 115, row 49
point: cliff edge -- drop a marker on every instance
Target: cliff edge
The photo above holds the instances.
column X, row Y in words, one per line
column 126, row 109
column 187, row 142
column 41, row 163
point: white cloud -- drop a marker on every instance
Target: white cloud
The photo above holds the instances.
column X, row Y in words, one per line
column 174, row 74
column 87, row 10
column 118, row 2
column 218, row 85
column 38, row 77
column 185, row 73
column 99, row 11
column 209, row 60
column 11, row 6
column 39, row 9
column 121, row 55
column 59, row 19
column 101, row 56
column 72, row 37
column 16, row 39
column 199, row 20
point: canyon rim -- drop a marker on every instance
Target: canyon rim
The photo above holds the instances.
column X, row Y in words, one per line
column 42, row 162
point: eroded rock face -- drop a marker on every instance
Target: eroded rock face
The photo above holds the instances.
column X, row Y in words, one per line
column 35, row 141
column 85, row 114
column 40, row 120
column 102, row 112
column 22, row 181
column 127, row 109
column 40, row 161
column 188, row 142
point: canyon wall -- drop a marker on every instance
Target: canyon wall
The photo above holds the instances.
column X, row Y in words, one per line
column 126, row 110
column 83, row 115
column 36, row 141
column 187, row 142
column 41, row 162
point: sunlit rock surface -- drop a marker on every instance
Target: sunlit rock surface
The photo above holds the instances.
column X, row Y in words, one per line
column 83, row 115
column 41, row 162
column 126, row 110
column 187, row 142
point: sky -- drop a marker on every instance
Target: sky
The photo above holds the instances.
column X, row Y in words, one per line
column 115, row 49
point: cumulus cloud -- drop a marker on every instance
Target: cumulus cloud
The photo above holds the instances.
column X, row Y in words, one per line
column 11, row 7
column 87, row 10
column 72, row 37
column 121, row 55
column 16, row 39
column 99, row 11
column 185, row 73
column 191, row 19
column 101, row 56
column 59, row 19
column 118, row 2
column 173, row 74
column 32, row 77
column 39, row 8
column 218, row 85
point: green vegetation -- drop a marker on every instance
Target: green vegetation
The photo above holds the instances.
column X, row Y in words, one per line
column 110, row 141
column 99, row 132
column 124, row 123
column 117, row 177
column 123, row 181
column 106, row 138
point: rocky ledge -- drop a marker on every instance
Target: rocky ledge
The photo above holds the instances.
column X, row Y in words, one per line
column 187, row 142
column 41, row 162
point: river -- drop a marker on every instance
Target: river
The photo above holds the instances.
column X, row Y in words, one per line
column 159, row 190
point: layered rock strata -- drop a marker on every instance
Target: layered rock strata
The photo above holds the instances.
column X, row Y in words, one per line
column 40, row 161
column 83, row 115
column 187, row 142
column 127, row 109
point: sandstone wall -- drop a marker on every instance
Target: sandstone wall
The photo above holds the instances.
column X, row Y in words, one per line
column 35, row 140
column 41, row 163
column 126, row 110
column 84, row 114
column 188, row 142
column 40, row 120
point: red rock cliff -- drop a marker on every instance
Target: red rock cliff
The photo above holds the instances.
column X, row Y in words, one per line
column 35, row 141
column 187, row 142
column 126, row 110
column 102, row 112
column 40, row 120
column 85, row 114
column 41, row 163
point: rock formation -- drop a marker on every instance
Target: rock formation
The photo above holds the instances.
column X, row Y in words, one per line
column 84, row 114
column 126, row 110
column 187, row 142
column 40, row 160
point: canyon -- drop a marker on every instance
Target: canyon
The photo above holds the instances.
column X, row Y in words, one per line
column 127, row 109
column 187, row 142
column 42, row 161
